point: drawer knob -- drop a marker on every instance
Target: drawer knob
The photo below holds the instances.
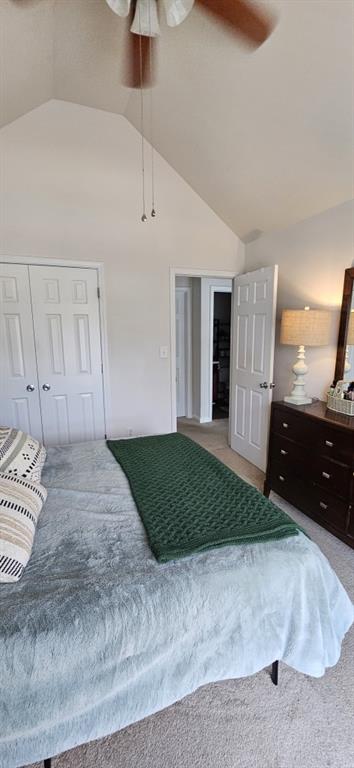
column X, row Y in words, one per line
column 285, row 425
column 326, row 475
column 329, row 444
column 323, row 505
column 281, row 478
column 283, row 453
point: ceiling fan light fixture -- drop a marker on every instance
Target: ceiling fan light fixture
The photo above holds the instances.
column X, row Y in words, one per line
column 177, row 11
column 120, row 7
column 146, row 20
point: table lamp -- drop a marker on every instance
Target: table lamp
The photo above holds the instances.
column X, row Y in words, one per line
column 303, row 328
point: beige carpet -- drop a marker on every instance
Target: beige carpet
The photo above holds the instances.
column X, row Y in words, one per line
column 304, row 723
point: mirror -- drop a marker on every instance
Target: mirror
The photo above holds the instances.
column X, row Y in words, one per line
column 345, row 351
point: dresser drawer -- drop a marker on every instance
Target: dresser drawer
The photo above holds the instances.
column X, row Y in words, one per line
column 335, row 443
column 329, row 508
column 291, row 425
column 332, row 476
column 286, row 484
column 289, row 456
column 351, row 523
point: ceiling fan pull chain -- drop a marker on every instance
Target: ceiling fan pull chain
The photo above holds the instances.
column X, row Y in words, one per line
column 144, row 216
column 153, row 209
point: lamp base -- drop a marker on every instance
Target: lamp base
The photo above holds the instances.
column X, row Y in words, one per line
column 293, row 400
column 298, row 395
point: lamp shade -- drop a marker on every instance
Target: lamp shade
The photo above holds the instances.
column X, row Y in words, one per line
column 307, row 327
column 350, row 336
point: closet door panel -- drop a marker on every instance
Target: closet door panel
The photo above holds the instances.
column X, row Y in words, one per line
column 67, row 329
column 19, row 396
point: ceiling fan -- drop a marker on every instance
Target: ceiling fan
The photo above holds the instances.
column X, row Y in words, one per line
column 241, row 16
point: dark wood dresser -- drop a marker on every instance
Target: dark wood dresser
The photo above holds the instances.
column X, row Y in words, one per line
column 311, row 464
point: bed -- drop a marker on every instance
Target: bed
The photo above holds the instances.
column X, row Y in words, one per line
column 98, row 635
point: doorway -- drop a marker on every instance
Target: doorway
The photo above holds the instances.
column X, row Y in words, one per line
column 202, row 347
column 251, row 359
column 221, row 355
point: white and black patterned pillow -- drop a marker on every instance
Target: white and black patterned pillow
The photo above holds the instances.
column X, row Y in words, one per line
column 21, row 502
column 21, row 455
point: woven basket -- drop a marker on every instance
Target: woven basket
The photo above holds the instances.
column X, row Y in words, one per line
column 337, row 403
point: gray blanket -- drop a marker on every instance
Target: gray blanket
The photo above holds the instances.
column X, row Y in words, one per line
column 97, row 634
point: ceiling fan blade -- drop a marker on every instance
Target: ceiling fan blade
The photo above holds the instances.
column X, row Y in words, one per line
column 243, row 17
column 140, row 61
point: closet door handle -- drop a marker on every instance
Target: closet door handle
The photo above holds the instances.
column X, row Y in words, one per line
column 30, row 387
column 46, row 387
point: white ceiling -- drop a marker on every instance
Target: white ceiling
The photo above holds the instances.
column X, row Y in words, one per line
column 89, row 54
column 266, row 138
column 26, row 56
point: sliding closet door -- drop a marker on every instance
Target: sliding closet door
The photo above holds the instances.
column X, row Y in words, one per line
column 68, row 346
column 19, row 397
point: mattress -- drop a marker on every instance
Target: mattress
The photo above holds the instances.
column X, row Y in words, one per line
column 98, row 635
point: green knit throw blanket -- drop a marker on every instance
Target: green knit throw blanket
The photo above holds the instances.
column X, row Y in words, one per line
column 189, row 501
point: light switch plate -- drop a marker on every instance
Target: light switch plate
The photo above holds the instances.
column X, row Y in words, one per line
column 163, row 353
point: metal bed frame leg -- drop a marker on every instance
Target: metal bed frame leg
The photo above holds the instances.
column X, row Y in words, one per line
column 274, row 676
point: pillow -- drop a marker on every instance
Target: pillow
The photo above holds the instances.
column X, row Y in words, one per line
column 21, row 455
column 20, row 504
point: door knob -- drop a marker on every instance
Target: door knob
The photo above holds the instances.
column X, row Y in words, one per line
column 30, row 387
column 272, row 385
column 46, row 387
column 264, row 385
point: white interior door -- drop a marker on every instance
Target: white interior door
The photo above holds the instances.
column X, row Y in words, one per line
column 68, row 347
column 252, row 361
column 19, row 397
column 181, row 372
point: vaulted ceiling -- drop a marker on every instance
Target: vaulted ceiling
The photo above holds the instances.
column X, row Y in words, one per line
column 266, row 138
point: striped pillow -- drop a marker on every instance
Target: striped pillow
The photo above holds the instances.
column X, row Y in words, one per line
column 20, row 504
column 21, row 455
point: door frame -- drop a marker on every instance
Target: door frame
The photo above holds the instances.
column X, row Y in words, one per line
column 99, row 267
column 213, row 290
column 184, row 272
column 187, row 290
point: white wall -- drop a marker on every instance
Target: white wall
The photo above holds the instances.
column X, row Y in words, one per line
column 194, row 284
column 70, row 188
column 312, row 257
column 183, row 282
